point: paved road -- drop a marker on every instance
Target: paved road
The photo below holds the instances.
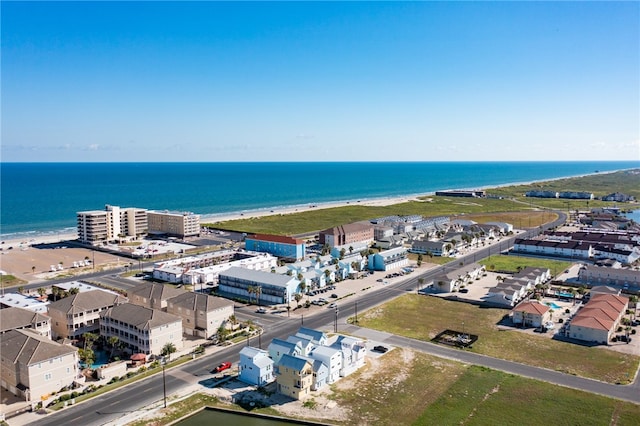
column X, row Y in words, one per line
column 629, row 392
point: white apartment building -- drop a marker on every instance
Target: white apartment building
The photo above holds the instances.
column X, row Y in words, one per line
column 111, row 224
column 173, row 223
column 143, row 330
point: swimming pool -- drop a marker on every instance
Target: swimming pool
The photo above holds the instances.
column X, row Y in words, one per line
column 553, row 305
column 567, row 295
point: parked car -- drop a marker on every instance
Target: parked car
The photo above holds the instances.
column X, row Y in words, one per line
column 224, row 366
column 464, row 290
column 334, row 296
column 381, row 349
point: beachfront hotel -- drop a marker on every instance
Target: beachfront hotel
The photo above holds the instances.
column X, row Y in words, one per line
column 174, row 223
column 111, row 224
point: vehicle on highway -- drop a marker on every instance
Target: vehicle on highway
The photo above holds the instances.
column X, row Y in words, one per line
column 380, row 349
column 224, row 366
column 333, row 305
column 261, row 310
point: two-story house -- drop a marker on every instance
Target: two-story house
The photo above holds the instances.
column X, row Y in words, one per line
column 256, row 368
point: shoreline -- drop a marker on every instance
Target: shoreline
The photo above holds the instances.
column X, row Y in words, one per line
column 21, row 239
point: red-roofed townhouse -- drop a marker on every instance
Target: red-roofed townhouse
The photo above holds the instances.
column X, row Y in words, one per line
column 599, row 319
column 531, row 314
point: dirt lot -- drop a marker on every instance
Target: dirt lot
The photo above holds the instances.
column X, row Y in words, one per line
column 20, row 261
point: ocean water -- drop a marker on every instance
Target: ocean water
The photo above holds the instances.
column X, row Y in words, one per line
column 43, row 198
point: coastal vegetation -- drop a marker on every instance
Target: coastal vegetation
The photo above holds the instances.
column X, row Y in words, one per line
column 513, row 264
column 10, row 281
column 317, row 220
column 436, row 315
column 507, row 204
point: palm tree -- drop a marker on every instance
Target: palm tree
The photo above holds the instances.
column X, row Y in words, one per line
column 89, row 338
column 42, row 291
column 33, row 269
column 168, row 349
column 258, row 291
column 298, row 298
column 113, row 342
column 350, row 249
column 419, row 260
column 74, row 290
column 420, row 283
column 56, row 292
column 250, row 290
column 87, row 356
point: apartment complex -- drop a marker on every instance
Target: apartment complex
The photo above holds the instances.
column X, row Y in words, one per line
column 356, row 234
column 111, row 224
column 202, row 314
column 173, row 223
column 34, row 367
column 277, row 245
column 80, row 313
column 141, row 329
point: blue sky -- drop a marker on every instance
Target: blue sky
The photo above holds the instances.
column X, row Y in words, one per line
column 336, row 81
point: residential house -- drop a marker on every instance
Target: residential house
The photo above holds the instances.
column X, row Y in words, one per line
column 80, row 313
column 294, row 376
column 142, row 330
column 256, row 368
column 34, row 367
column 320, row 374
column 332, row 358
column 565, row 249
column 530, row 314
column 153, row 295
column 278, row 348
column 317, row 337
column 306, row 345
column 202, row 314
column 19, row 319
column 353, row 354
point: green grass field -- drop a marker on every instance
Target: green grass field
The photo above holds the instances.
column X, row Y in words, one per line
column 419, row 389
column 423, row 317
column 481, row 210
column 511, row 263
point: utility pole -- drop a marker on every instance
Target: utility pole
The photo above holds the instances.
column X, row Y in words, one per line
column 335, row 321
column 356, row 319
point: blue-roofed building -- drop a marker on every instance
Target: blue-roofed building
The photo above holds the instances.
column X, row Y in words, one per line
column 256, row 368
column 317, row 337
column 275, row 288
column 278, row 348
column 306, row 344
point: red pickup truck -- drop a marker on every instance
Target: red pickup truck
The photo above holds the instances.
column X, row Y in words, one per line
column 224, row 366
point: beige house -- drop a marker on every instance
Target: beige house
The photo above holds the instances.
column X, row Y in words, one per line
column 80, row 313
column 153, row 295
column 599, row 319
column 531, row 314
column 19, row 319
column 294, row 377
column 201, row 314
column 33, row 366
column 142, row 330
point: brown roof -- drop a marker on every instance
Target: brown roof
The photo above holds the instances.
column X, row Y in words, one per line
column 12, row 318
column 592, row 322
column 86, row 301
column 155, row 291
column 140, row 317
column 200, row 302
column 531, row 308
column 27, row 347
